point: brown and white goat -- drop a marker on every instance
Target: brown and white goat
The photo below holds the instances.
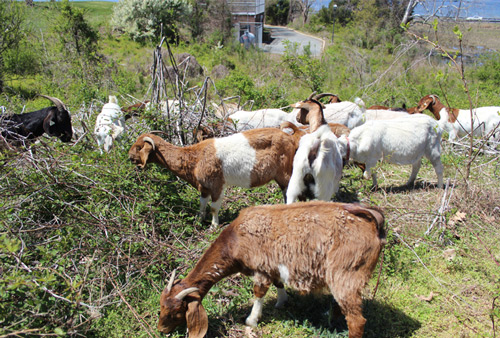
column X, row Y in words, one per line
column 310, row 246
column 317, row 166
column 484, row 121
column 248, row 159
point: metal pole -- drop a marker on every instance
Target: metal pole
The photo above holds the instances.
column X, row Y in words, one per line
column 333, row 29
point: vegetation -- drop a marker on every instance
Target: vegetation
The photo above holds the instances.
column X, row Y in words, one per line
column 145, row 20
column 87, row 241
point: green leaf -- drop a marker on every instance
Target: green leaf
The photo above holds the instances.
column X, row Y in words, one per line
column 59, row 331
column 458, row 33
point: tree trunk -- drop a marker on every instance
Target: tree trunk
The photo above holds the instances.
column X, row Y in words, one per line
column 409, row 9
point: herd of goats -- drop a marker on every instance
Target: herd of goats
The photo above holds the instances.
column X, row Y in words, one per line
column 308, row 246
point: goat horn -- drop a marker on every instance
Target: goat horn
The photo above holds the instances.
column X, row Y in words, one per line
column 311, row 96
column 150, row 140
column 184, row 293
column 170, row 282
column 322, row 95
column 60, row 106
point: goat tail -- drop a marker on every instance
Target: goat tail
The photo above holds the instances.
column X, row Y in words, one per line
column 287, row 124
column 371, row 213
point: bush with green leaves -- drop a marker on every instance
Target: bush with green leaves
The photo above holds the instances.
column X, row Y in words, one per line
column 147, row 20
column 12, row 16
column 304, row 67
column 61, row 237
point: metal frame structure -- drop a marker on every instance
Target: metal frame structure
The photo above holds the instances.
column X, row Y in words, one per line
column 248, row 15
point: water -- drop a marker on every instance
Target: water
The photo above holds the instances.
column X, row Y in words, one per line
column 485, row 8
column 489, row 9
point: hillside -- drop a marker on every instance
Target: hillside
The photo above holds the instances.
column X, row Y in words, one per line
column 88, row 241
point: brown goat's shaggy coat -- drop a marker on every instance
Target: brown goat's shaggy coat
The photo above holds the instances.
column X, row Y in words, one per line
column 309, row 246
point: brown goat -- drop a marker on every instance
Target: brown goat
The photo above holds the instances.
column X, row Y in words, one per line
column 135, row 110
column 248, row 159
column 310, row 246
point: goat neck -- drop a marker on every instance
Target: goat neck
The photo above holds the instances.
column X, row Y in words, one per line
column 435, row 107
column 432, row 103
column 311, row 112
column 316, row 117
column 186, row 295
column 179, row 160
column 215, row 264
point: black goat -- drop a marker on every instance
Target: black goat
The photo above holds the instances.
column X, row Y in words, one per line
column 55, row 121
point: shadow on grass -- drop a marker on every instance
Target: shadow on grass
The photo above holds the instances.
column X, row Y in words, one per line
column 309, row 313
column 419, row 185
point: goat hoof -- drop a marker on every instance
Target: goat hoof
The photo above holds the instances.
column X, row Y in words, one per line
column 251, row 322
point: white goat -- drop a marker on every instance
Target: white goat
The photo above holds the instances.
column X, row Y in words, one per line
column 347, row 113
column 109, row 125
column 485, row 119
column 399, row 141
column 263, row 118
column 317, row 165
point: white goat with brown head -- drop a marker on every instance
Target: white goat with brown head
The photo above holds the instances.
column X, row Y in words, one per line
column 317, row 166
column 481, row 121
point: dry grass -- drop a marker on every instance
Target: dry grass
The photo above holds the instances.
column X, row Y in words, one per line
column 478, row 36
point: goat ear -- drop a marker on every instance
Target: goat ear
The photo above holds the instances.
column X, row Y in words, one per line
column 145, row 151
column 48, row 122
column 197, row 319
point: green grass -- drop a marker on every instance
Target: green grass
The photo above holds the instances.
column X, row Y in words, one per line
column 92, row 229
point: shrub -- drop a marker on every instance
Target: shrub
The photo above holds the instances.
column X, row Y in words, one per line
column 148, row 19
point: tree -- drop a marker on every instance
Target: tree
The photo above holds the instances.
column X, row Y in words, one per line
column 393, row 11
column 11, row 19
column 146, row 20
column 78, row 61
column 304, row 7
column 75, row 34
column 409, row 10
column 277, row 12
column 343, row 14
column 210, row 19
